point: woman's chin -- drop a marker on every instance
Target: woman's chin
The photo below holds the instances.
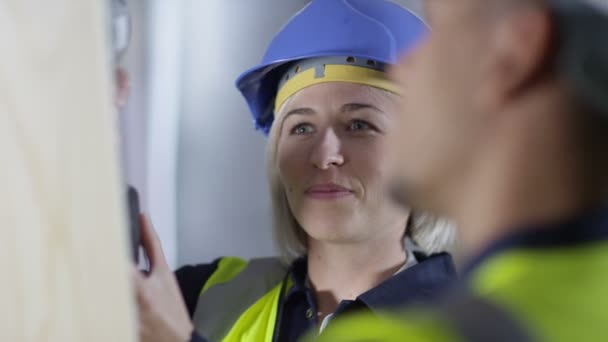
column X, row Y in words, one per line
column 338, row 231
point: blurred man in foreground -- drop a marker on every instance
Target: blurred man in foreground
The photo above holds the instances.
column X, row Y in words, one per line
column 508, row 99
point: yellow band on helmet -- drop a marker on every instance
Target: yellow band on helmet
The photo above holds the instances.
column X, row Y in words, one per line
column 333, row 73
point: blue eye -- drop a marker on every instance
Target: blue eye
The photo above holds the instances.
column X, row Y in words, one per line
column 302, row 129
column 359, row 125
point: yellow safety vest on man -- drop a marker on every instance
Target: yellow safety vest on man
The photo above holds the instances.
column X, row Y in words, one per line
column 550, row 284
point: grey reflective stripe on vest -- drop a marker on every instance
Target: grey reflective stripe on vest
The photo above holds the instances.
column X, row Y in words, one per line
column 221, row 305
column 478, row 320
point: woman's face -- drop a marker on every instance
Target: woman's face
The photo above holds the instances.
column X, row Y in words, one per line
column 331, row 155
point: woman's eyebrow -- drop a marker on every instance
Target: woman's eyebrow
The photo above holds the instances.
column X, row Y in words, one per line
column 301, row 111
column 346, row 108
column 352, row 107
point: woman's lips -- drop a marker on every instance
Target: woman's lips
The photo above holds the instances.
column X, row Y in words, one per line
column 328, row 191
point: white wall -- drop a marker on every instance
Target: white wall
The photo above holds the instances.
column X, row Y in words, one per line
column 164, row 100
column 149, row 120
column 223, row 202
column 133, row 118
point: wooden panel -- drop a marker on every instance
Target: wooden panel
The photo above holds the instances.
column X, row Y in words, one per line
column 64, row 273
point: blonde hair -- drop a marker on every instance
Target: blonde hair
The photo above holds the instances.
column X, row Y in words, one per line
column 430, row 233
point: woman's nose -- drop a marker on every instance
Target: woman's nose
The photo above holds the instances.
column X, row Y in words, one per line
column 327, row 151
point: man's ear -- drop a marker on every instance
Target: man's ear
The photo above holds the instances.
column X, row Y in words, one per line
column 517, row 53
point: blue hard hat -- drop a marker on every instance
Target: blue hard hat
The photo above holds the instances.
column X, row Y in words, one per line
column 372, row 29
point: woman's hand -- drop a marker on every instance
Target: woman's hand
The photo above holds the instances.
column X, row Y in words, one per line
column 163, row 316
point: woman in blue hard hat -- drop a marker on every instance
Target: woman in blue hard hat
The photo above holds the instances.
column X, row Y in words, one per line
column 322, row 96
